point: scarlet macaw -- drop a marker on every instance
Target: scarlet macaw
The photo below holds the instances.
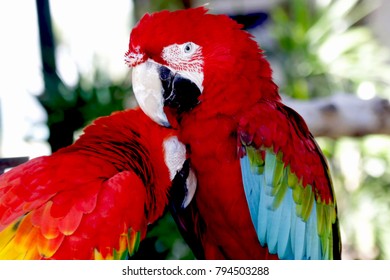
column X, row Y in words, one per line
column 264, row 189
column 95, row 198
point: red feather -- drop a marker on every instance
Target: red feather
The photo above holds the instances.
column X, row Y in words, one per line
column 239, row 102
column 283, row 130
column 84, row 199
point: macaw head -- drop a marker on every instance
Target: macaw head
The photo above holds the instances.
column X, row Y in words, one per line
column 189, row 60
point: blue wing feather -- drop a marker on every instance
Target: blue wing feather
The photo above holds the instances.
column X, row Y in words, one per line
column 313, row 248
column 299, row 239
column 251, row 188
column 284, row 242
column 273, row 224
column 263, row 208
column 278, row 227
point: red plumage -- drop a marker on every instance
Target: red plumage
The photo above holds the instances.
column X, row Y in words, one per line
column 220, row 197
column 87, row 200
column 239, row 108
column 284, row 130
column 220, row 193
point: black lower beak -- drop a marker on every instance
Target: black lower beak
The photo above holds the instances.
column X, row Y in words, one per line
column 178, row 92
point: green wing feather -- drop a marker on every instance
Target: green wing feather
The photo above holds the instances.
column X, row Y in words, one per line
column 287, row 216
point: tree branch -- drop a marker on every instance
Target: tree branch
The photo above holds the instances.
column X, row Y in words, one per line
column 344, row 115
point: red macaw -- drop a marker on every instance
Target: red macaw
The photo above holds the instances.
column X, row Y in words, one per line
column 95, row 198
column 264, row 189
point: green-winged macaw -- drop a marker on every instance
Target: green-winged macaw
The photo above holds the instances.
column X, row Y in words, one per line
column 95, row 198
column 264, row 189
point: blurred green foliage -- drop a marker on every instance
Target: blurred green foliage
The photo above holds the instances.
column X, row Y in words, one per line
column 72, row 108
column 324, row 47
column 164, row 242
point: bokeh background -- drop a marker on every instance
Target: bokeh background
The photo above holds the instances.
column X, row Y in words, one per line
column 61, row 65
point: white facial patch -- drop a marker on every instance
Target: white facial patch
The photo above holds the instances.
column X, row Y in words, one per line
column 175, row 156
column 187, row 60
column 147, row 90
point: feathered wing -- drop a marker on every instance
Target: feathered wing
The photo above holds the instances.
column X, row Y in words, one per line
column 287, row 185
column 77, row 216
column 92, row 200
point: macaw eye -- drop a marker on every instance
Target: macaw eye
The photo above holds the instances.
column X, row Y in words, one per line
column 188, row 48
column 183, row 56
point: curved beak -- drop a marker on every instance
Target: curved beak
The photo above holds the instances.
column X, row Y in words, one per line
column 156, row 86
column 148, row 91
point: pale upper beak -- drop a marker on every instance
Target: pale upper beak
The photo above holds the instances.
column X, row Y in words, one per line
column 157, row 86
column 148, row 91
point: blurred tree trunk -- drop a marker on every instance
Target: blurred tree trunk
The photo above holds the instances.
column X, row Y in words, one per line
column 63, row 118
column 342, row 115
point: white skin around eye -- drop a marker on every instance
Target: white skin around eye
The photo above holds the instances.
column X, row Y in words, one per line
column 187, row 60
